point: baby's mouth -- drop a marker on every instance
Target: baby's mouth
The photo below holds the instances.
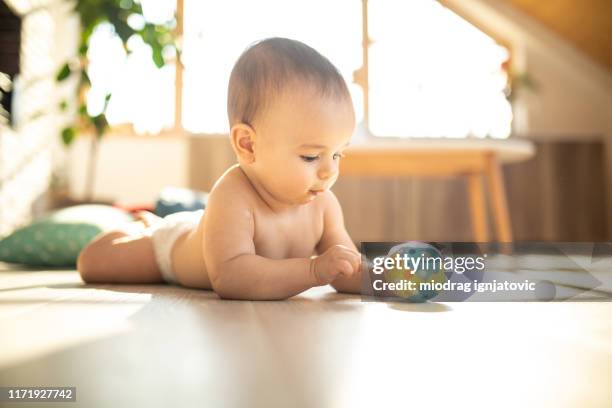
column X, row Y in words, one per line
column 316, row 192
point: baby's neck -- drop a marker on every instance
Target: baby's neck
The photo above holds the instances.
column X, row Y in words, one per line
column 272, row 202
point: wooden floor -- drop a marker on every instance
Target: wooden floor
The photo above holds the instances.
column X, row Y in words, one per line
column 160, row 346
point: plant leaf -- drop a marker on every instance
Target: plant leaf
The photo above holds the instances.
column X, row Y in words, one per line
column 83, row 109
column 68, row 135
column 100, row 124
column 106, row 100
column 83, row 49
column 158, row 58
column 85, row 78
column 63, row 73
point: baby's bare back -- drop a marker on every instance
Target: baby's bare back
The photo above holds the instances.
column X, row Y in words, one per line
column 293, row 233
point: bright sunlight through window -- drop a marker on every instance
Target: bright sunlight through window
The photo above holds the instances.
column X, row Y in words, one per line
column 216, row 33
column 142, row 94
column 431, row 73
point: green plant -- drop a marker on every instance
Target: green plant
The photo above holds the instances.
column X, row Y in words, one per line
column 519, row 82
column 116, row 13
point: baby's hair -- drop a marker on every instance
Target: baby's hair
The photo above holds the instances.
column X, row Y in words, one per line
column 267, row 67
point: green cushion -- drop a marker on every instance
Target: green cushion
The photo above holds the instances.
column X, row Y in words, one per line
column 57, row 239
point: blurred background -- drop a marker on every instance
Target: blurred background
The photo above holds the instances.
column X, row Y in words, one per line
column 112, row 100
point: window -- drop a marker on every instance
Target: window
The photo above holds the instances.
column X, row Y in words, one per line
column 433, row 74
column 216, row 33
column 430, row 73
column 142, row 94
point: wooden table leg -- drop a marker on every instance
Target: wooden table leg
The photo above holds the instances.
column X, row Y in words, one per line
column 478, row 208
column 499, row 202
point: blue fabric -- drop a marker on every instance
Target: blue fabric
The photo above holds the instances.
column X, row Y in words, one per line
column 175, row 199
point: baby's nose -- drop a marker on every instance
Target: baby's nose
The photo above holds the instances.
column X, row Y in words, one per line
column 327, row 171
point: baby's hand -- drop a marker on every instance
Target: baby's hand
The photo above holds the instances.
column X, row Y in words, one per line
column 337, row 260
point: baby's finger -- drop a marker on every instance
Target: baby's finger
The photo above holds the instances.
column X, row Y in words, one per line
column 345, row 268
column 354, row 258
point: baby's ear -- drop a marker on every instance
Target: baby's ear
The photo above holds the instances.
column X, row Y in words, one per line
column 242, row 137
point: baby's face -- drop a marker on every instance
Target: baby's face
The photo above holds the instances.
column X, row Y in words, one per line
column 300, row 140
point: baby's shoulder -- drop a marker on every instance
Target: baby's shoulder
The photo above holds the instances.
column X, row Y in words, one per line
column 328, row 204
column 233, row 184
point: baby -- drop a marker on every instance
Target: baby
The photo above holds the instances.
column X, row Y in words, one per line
column 272, row 228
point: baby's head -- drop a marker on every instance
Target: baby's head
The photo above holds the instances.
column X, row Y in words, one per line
column 291, row 116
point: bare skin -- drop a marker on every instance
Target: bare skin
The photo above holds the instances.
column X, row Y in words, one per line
column 266, row 216
column 295, row 234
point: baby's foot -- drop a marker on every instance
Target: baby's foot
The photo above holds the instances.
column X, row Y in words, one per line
column 147, row 218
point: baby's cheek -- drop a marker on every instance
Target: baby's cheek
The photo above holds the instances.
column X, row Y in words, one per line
column 311, row 176
column 302, row 179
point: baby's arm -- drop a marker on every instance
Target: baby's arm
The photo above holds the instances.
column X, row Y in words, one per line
column 237, row 272
column 334, row 233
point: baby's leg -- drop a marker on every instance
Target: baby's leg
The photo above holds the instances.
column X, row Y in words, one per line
column 120, row 256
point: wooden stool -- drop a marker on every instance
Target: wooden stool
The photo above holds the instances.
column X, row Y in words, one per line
column 473, row 159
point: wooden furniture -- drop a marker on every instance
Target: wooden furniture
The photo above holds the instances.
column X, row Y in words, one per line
column 472, row 159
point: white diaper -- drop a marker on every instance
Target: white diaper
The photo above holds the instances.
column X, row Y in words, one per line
column 165, row 234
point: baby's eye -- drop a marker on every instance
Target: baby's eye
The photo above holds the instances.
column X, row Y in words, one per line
column 309, row 159
column 338, row 156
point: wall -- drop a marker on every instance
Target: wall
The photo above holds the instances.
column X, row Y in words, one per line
column 130, row 170
column 27, row 149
